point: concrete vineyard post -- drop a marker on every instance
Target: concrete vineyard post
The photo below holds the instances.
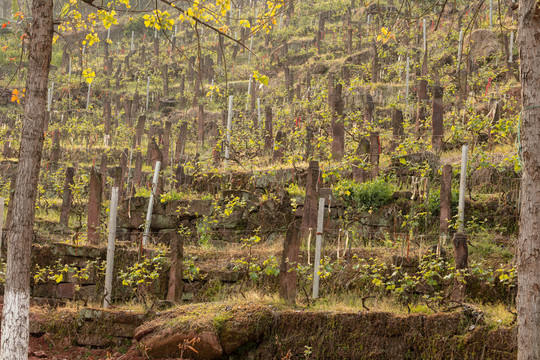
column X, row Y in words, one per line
column 110, row 248
column 424, row 34
column 462, row 188
column 228, row 140
column 148, row 223
column 147, row 92
column 318, row 245
column 88, row 96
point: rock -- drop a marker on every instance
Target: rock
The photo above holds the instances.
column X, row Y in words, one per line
column 244, row 325
column 168, row 344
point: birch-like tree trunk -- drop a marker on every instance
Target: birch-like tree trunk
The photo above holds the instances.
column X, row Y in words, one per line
column 528, row 252
column 15, row 318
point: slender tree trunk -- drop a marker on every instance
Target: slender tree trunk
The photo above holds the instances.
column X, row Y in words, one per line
column 528, row 252
column 15, row 318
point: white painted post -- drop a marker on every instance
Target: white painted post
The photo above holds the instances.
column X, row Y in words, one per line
column 49, row 99
column 229, row 121
column 459, row 46
column 368, row 21
column 250, row 49
column 52, row 91
column 318, row 245
column 84, row 49
column 110, row 248
column 146, row 234
column 211, row 93
column 1, row 222
column 511, row 55
column 88, row 95
column 280, row 21
column 132, row 35
column 462, row 189
column 425, row 34
column 147, row 91
column 248, row 98
column 259, row 111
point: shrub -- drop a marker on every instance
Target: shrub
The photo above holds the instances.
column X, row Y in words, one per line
column 368, row 195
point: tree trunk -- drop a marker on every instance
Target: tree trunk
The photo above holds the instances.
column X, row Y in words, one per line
column 528, row 252
column 15, row 318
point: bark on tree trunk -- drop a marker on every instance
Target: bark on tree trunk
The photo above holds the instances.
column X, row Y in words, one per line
column 15, row 318
column 528, row 252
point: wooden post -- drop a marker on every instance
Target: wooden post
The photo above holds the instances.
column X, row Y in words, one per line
column 437, row 119
column 318, row 245
column 309, row 214
column 176, row 284
column 148, row 222
column 461, row 251
column 166, row 144
column 258, row 112
column 137, row 169
column 289, row 261
column 1, row 223
column 422, row 99
column 269, row 131
column 374, row 154
column 368, row 110
column 110, row 248
column 181, row 142
column 200, row 132
column 397, row 127
column 88, row 96
column 460, row 45
column 66, row 197
column 278, row 147
column 166, row 80
column 94, row 207
column 375, row 65
column 338, row 127
column 360, row 174
column 55, row 148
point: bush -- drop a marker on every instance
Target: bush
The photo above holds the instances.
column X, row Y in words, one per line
column 368, row 195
